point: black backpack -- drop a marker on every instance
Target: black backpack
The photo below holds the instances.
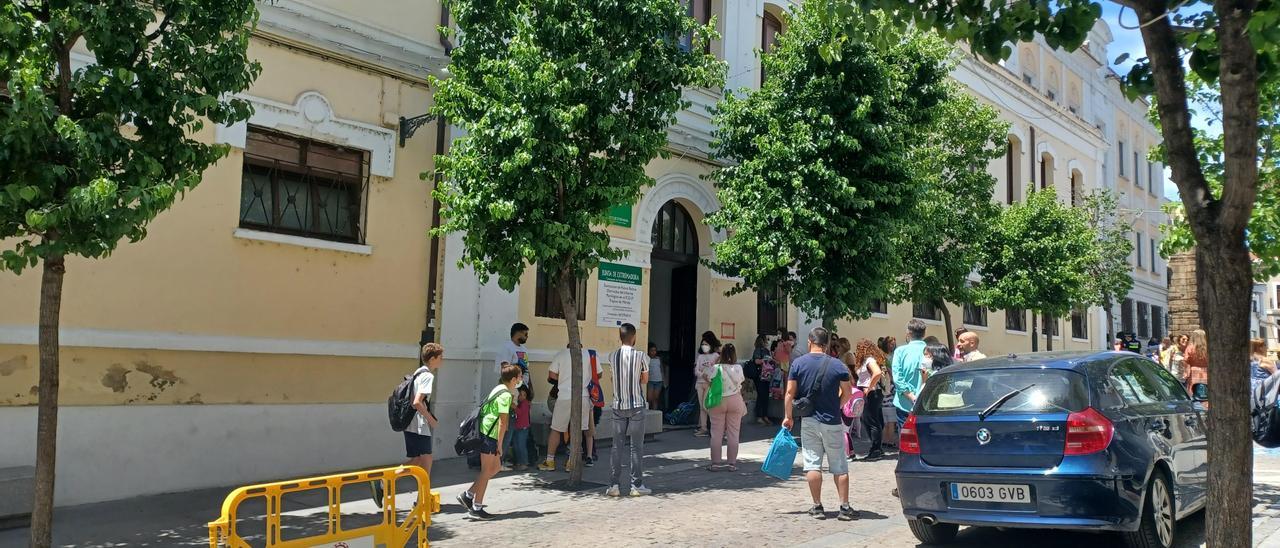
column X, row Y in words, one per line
column 1265, row 413
column 470, row 440
column 400, row 409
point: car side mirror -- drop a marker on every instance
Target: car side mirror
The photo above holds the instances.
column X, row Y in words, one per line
column 1200, row 392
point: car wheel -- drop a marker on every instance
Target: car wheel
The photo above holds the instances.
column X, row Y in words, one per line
column 938, row 533
column 1158, row 524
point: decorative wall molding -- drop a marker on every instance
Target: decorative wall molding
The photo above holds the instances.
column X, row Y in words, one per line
column 670, row 187
column 638, row 254
column 311, row 116
column 301, row 241
column 340, row 34
column 167, row 340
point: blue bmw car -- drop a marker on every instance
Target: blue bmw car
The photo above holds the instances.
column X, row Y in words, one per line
column 1093, row 441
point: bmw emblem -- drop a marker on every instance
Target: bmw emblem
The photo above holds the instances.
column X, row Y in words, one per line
column 984, row 436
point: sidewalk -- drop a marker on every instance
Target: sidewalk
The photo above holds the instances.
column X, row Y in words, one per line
column 689, row 507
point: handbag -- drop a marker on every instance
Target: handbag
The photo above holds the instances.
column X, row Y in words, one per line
column 803, row 406
column 781, row 457
column 715, row 391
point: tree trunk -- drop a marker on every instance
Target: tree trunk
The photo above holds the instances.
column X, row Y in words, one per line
column 47, row 423
column 569, row 304
column 1048, row 333
column 1224, row 313
column 946, row 320
column 1035, row 332
column 1111, row 323
column 1223, row 269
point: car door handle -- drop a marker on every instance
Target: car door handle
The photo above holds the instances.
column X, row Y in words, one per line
column 1158, row 426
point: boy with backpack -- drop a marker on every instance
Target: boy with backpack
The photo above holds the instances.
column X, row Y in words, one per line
column 493, row 421
column 417, row 434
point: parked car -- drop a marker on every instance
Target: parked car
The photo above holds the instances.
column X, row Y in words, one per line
column 1091, row 441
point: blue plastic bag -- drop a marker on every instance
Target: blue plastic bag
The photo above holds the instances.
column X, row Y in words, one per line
column 782, row 455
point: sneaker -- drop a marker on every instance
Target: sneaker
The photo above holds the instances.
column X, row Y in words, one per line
column 702, row 434
column 547, row 466
column 480, row 514
column 504, row 468
column 613, row 491
column 467, row 501
column 873, row 456
column 378, row 494
column 894, row 492
column 640, row 491
column 591, row 461
column 520, row 468
column 818, row 512
column 847, row 513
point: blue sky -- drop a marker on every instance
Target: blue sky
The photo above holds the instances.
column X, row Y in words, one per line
column 1129, row 40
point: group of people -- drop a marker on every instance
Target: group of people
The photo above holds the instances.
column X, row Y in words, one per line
column 826, row 371
column 1186, row 356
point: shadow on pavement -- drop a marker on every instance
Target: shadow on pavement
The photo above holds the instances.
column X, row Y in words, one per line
column 1190, row 533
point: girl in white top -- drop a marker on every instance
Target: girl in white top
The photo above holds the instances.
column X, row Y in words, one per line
column 708, row 357
column 726, row 418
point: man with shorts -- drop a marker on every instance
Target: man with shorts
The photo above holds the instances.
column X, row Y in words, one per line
column 560, row 375
column 826, row 383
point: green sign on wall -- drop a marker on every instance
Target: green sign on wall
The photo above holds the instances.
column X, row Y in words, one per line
column 620, row 215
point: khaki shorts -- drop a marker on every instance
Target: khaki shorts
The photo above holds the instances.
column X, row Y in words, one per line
column 560, row 414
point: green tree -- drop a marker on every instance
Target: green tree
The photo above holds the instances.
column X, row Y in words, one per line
column 1110, row 274
column 92, row 155
column 942, row 245
column 823, row 164
column 563, row 103
column 1235, row 43
column 1263, row 231
column 1038, row 258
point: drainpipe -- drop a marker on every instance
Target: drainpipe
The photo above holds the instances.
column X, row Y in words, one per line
column 429, row 324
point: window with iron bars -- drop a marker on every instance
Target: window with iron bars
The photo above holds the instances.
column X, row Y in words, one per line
column 547, row 302
column 1015, row 319
column 303, row 187
column 925, row 311
column 1079, row 324
column 975, row 315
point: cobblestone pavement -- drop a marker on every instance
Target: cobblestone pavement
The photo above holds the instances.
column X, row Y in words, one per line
column 689, row 507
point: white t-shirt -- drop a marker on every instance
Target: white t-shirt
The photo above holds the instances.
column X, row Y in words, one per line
column 733, row 378
column 423, row 384
column 704, row 367
column 562, row 365
column 864, row 372
column 655, row 369
column 511, row 353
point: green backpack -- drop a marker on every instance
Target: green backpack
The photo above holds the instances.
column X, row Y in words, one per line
column 717, row 388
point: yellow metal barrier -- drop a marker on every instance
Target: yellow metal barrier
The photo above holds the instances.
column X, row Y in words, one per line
column 222, row 532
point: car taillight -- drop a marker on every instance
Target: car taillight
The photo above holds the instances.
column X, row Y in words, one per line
column 908, row 439
column 1087, row 432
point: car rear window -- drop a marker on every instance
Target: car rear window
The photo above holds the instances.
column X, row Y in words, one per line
column 969, row 392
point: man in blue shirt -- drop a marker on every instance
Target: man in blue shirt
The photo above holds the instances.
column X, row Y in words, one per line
column 825, row 381
column 908, row 376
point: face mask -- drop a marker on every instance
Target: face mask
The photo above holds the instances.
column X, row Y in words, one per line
column 706, row 348
column 523, row 340
column 927, row 362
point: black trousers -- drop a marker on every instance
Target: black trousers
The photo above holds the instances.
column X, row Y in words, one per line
column 762, row 399
column 873, row 418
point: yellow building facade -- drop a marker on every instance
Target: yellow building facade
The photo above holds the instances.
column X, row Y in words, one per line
column 257, row 330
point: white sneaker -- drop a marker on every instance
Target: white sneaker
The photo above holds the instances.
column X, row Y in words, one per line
column 613, row 491
column 640, row 491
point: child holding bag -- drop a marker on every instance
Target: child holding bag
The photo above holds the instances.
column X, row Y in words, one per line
column 727, row 414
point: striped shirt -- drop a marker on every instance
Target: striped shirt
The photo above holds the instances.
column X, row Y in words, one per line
column 628, row 364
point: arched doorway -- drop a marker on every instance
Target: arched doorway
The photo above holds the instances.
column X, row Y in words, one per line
column 673, row 296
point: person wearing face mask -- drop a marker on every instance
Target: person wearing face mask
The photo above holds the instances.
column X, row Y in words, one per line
column 514, row 352
column 708, row 356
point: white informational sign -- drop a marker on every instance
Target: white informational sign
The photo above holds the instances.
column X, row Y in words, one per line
column 618, row 295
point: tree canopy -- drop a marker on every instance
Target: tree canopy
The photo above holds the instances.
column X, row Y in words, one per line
column 562, row 103
column 1110, row 273
column 89, row 155
column 1038, row 257
column 1263, row 232
column 823, row 166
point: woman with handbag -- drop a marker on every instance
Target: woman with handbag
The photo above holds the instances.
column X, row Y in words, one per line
column 868, row 368
column 759, row 359
column 726, row 414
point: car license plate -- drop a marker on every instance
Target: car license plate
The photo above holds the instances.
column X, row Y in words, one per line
column 991, row 492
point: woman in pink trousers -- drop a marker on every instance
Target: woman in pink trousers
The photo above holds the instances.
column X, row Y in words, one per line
column 726, row 418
